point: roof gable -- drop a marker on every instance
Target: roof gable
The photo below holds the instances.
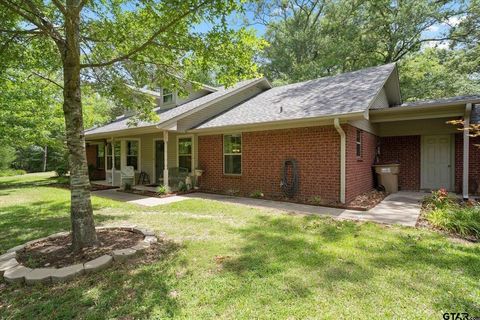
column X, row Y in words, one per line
column 168, row 115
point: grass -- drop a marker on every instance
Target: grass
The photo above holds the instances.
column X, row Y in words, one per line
column 11, row 172
column 235, row 262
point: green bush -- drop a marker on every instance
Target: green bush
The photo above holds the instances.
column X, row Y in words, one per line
column 162, row 190
column 61, row 170
column 257, row 194
column 7, row 156
column 458, row 219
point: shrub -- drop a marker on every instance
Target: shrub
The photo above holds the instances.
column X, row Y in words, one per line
column 7, row 156
column 61, row 170
column 316, row 200
column 162, row 190
column 439, row 199
column 461, row 220
column 257, row 194
column 182, row 186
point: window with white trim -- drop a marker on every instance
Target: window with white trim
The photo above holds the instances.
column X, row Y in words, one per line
column 101, row 156
column 185, row 153
column 167, row 96
column 232, row 154
column 358, row 143
column 132, row 153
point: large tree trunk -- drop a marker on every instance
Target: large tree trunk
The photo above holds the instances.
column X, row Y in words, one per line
column 83, row 226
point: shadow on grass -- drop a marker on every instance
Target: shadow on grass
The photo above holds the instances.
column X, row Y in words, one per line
column 275, row 245
column 15, row 183
column 22, row 223
column 358, row 255
column 124, row 291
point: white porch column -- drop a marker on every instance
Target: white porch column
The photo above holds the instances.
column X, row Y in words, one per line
column 165, row 157
column 113, row 161
column 466, row 149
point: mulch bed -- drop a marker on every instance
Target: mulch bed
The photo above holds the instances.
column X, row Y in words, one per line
column 97, row 187
column 57, row 252
column 368, row 200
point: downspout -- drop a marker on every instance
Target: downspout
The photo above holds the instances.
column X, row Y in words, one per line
column 336, row 123
column 466, row 149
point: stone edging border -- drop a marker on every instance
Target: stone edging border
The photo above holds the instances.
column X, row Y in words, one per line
column 13, row 272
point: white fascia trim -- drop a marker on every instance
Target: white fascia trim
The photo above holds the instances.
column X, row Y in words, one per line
column 166, row 124
column 271, row 125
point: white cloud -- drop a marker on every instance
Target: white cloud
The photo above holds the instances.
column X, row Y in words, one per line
column 455, row 21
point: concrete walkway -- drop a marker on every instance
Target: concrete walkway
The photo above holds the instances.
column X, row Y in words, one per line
column 136, row 198
column 400, row 208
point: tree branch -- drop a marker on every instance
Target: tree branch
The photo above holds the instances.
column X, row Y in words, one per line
column 47, row 79
column 18, row 32
column 47, row 25
column 60, row 6
column 146, row 43
column 20, row 11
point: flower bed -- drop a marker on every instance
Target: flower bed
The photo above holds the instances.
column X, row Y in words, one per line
column 459, row 218
column 51, row 259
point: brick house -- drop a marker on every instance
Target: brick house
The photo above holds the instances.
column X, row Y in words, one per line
column 333, row 129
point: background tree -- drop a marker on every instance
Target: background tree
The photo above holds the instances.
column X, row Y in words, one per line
column 435, row 42
column 107, row 45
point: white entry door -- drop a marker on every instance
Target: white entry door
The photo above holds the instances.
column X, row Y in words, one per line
column 436, row 162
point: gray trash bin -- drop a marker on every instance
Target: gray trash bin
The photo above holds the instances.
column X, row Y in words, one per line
column 388, row 176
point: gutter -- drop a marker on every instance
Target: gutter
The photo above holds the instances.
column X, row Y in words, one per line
column 343, row 144
column 266, row 125
column 466, row 149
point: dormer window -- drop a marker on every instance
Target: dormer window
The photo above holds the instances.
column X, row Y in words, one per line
column 167, row 96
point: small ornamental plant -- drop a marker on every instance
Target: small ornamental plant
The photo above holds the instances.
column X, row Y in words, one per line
column 440, row 198
column 162, row 190
column 257, row 194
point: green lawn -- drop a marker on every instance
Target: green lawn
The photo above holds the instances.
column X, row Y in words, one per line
column 239, row 263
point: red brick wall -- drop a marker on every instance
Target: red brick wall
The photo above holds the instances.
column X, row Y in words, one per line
column 92, row 154
column 359, row 174
column 98, row 174
column 406, row 151
column 316, row 149
column 474, row 164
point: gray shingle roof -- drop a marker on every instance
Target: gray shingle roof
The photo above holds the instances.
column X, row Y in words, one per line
column 442, row 101
column 121, row 123
column 342, row 94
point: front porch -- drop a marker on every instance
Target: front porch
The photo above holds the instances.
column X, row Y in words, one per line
column 162, row 158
